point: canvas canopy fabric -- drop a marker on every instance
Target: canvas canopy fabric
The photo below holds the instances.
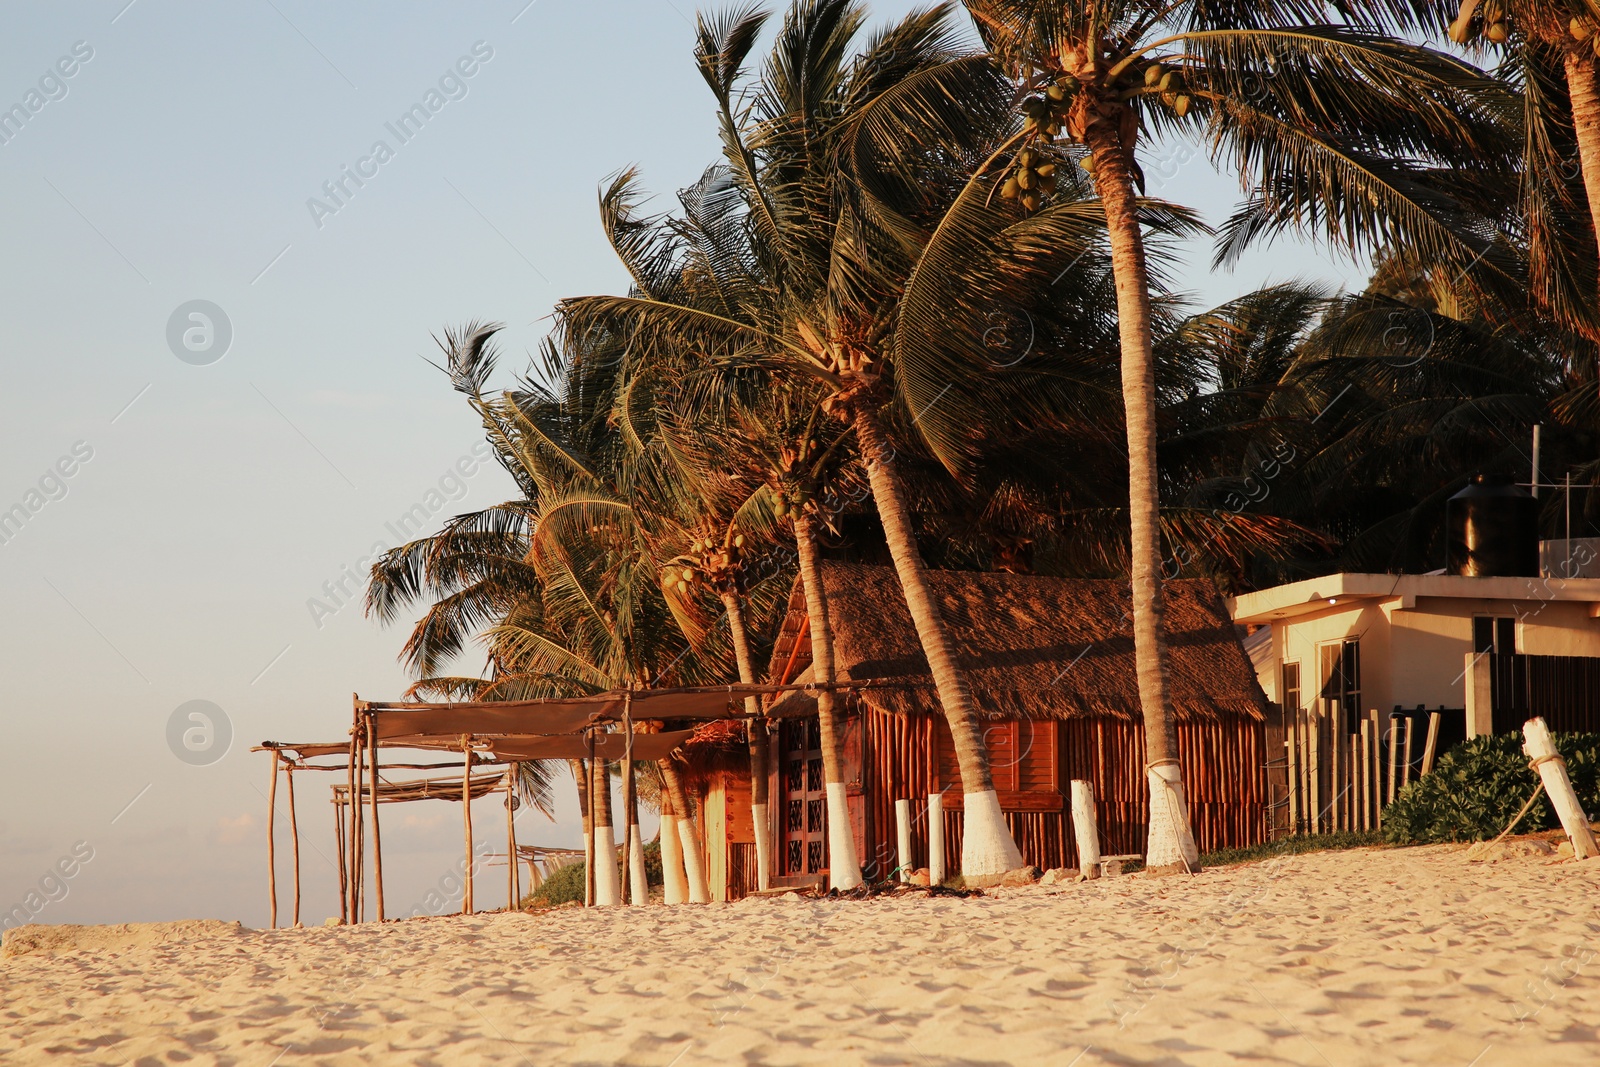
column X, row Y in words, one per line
column 424, row 789
column 572, row 746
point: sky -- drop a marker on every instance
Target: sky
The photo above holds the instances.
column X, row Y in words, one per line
column 217, row 302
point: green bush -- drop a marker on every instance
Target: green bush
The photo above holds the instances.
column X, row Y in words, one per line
column 1480, row 785
column 566, row 884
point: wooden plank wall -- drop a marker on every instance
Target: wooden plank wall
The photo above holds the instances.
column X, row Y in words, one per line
column 1223, row 768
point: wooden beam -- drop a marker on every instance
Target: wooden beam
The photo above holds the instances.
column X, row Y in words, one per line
column 466, row 819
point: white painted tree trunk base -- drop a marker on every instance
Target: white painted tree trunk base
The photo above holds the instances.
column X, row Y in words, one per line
column 902, row 836
column 607, row 879
column 1171, row 841
column 844, row 868
column 986, row 844
column 674, row 882
column 1085, row 828
column 694, row 864
column 935, row 838
column 758, row 814
column 1552, row 771
column 638, row 884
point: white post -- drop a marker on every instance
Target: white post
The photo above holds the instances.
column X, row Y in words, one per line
column 1552, row 771
column 902, row 826
column 674, row 882
column 639, row 886
column 1480, row 705
column 1085, row 829
column 935, row 838
column 607, row 877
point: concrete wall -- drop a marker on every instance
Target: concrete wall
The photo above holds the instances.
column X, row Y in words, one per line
column 1414, row 655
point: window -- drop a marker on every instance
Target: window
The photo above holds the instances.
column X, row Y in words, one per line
column 1341, row 684
column 1289, row 692
column 1022, row 756
column 1495, row 635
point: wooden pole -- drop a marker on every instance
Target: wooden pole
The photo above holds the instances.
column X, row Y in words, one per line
column 627, row 800
column 1552, row 771
column 1405, row 764
column 377, row 836
column 1353, row 776
column 1394, row 759
column 1377, row 774
column 1430, row 749
column 344, row 859
column 1335, row 772
column 1308, row 803
column 466, row 818
column 1085, row 830
column 350, row 835
column 294, row 837
column 935, row 838
column 1314, row 732
column 511, row 839
column 1291, row 747
column 361, row 828
column 272, row 857
column 1366, row 773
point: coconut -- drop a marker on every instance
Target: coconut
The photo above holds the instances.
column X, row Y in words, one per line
column 1056, row 93
column 1025, row 179
column 1579, row 29
column 1009, row 189
column 1030, row 201
column 1152, row 74
column 1181, row 106
column 1498, row 32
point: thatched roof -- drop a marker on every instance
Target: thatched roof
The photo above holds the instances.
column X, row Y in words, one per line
column 1028, row 646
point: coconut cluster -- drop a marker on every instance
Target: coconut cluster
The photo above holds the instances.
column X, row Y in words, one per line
column 1583, row 29
column 1035, row 176
column 1489, row 23
column 718, row 562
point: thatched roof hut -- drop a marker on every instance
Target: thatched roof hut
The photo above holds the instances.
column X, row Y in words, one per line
column 1029, row 647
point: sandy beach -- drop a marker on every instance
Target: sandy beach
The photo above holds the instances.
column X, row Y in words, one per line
column 1372, row 957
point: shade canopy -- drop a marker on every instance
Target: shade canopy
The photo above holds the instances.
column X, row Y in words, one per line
column 574, row 746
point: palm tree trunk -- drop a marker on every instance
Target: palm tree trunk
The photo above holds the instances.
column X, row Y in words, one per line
column 607, row 879
column 1580, row 64
column 580, row 777
column 987, row 847
column 1171, row 842
column 756, row 734
column 694, row 862
column 674, row 881
column 844, row 867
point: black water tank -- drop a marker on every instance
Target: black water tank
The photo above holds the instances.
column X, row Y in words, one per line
column 1494, row 529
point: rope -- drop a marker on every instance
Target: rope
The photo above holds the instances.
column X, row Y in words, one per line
column 1533, row 765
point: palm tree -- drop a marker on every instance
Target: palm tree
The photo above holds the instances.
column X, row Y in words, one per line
column 1328, row 125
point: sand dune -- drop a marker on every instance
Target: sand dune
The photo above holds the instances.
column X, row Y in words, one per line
column 1414, row 956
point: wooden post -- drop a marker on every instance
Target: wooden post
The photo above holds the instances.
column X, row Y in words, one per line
column 272, row 857
column 1394, row 759
column 1552, row 771
column 466, row 819
column 1480, row 695
column 377, row 837
column 935, row 838
column 626, row 887
column 1353, row 774
column 902, row 828
column 1292, row 754
column 1314, row 734
column 344, row 858
column 294, row 837
column 350, row 836
column 1308, row 803
column 1405, row 763
column 1366, row 773
column 1335, row 772
column 511, row 838
column 1430, row 749
column 1085, row 830
column 1377, row 774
